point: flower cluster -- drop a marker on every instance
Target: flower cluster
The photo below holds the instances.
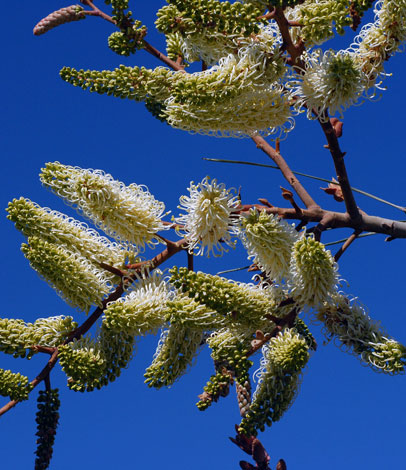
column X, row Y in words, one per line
column 330, row 80
column 93, row 363
column 379, row 40
column 127, row 213
column 244, row 305
column 175, row 352
column 318, row 18
column 16, row 336
column 74, row 278
column 268, row 241
column 142, row 310
column 74, row 236
column 15, row 386
column 229, row 353
column 240, row 96
column 313, row 272
column 208, row 221
column 357, row 333
column 47, row 421
column 129, row 41
column 284, row 357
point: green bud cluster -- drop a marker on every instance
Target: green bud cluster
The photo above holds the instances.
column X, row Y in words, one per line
column 302, row 329
column 242, row 304
column 15, row 386
column 47, row 421
column 16, row 336
column 135, row 83
column 284, row 358
column 71, row 276
column 358, row 334
column 217, row 386
column 230, row 355
column 130, row 214
column 175, row 352
column 57, row 228
column 121, row 17
column 197, row 16
column 319, row 18
column 156, row 108
column 93, row 363
column 128, row 41
column 174, row 45
column 83, row 362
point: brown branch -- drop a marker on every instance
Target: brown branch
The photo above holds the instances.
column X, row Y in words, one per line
column 162, row 57
column 366, row 223
column 341, row 171
column 262, row 144
column 346, row 244
column 294, row 50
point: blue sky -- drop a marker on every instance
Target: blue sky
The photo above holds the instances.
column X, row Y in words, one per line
column 344, row 415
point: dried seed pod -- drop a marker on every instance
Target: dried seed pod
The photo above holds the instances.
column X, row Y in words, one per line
column 56, row 18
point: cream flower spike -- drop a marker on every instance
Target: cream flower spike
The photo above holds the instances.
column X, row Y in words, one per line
column 130, row 214
column 208, row 223
column 268, row 241
column 313, row 272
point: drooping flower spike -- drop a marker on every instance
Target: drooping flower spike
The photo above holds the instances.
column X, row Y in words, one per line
column 130, row 214
column 268, row 241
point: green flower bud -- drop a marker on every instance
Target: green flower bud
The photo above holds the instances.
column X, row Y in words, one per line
column 15, row 386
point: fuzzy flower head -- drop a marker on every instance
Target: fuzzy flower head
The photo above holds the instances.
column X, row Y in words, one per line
column 268, row 241
column 313, row 272
column 331, row 80
column 127, row 213
column 208, row 223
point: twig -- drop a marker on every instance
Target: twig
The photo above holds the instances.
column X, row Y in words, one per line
column 305, row 175
column 346, row 244
column 286, row 171
column 294, row 50
column 342, row 176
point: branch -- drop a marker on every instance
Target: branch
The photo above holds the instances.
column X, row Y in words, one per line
column 294, row 50
column 341, row 171
column 346, row 244
column 299, row 173
column 286, row 171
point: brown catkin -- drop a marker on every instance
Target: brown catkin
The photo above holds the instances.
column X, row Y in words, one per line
column 62, row 16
